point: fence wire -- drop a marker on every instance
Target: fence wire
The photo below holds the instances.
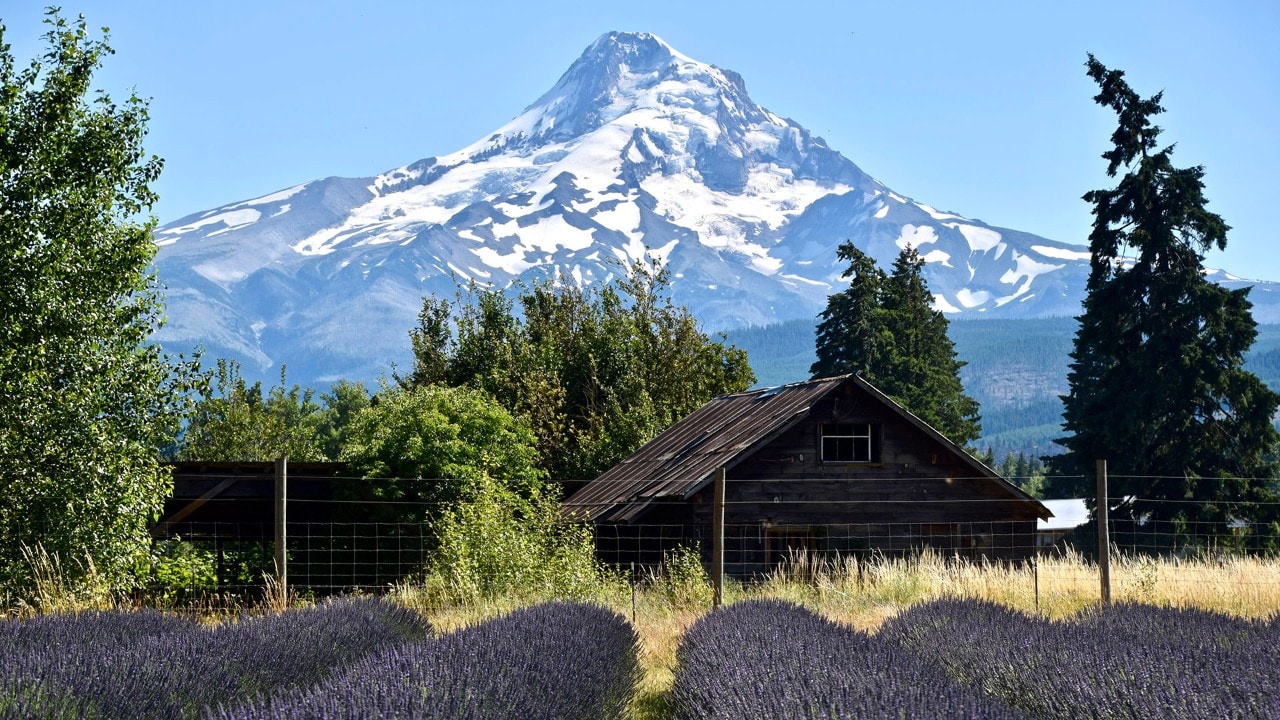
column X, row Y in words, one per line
column 341, row 544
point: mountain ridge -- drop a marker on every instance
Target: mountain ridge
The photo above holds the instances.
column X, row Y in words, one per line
column 637, row 151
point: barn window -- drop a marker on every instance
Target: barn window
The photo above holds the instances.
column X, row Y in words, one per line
column 850, row 442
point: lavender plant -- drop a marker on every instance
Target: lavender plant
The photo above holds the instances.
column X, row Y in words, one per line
column 773, row 659
column 1127, row 661
column 561, row 661
column 127, row 665
column 49, row 663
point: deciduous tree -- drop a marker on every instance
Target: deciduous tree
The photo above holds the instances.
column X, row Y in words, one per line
column 434, row 443
column 238, row 422
column 595, row 371
column 86, row 401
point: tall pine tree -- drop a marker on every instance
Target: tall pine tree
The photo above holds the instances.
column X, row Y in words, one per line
column 852, row 333
column 884, row 328
column 1157, row 386
column 924, row 372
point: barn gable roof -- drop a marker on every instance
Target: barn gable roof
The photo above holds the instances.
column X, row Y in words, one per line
column 682, row 460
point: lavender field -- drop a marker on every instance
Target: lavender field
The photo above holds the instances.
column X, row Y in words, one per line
column 370, row 658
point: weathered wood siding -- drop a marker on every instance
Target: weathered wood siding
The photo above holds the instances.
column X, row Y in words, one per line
column 917, row 494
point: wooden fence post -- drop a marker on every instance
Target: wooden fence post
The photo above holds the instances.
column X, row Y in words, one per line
column 282, row 561
column 717, row 540
column 1104, row 534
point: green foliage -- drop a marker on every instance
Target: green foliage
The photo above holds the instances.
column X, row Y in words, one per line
column 85, row 401
column 435, row 442
column 1025, row 472
column 180, row 568
column 853, row 335
column 596, row 372
column 238, row 423
column 683, row 579
column 333, row 423
column 1157, row 383
column 497, row 542
column 884, row 328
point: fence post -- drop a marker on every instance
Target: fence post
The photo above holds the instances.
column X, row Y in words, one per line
column 282, row 481
column 1104, row 534
column 1035, row 569
column 717, row 540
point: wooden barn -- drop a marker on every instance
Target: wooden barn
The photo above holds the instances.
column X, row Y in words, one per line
column 830, row 466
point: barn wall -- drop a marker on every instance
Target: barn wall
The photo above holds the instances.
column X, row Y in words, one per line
column 918, row 494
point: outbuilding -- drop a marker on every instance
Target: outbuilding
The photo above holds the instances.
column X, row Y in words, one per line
column 830, row 467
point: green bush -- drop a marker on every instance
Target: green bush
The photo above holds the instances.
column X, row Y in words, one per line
column 497, row 542
column 684, row 579
column 180, row 568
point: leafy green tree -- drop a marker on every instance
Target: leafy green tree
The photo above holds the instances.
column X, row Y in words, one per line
column 596, row 372
column 1157, row 386
column 333, row 423
column 86, row 401
column 884, row 328
column 239, row 423
column 434, row 442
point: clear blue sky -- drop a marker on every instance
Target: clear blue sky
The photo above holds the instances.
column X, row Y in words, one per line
column 982, row 108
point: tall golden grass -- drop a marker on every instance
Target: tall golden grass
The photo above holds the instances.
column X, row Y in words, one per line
column 859, row 593
column 863, row 593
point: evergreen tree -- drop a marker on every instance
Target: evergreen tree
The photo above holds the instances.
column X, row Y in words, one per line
column 1156, row 386
column 852, row 333
column 923, row 372
column 86, row 399
column 885, row 329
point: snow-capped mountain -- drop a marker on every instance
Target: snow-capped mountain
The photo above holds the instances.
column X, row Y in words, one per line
column 637, row 149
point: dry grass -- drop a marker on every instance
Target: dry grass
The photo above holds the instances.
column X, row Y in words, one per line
column 862, row 595
column 859, row 594
column 54, row 589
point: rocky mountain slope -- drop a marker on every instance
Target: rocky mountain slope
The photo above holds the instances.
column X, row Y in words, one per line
column 637, row 150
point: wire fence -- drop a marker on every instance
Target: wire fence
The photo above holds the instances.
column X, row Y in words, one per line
column 348, row 541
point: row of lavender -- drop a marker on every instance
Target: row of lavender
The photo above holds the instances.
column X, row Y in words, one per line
column 556, row 661
column 772, row 659
column 146, row 664
column 975, row 659
column 1128, row 661
column 346, row 659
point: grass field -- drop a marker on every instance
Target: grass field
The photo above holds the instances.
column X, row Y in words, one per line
column 859, row 595
column 864, row 597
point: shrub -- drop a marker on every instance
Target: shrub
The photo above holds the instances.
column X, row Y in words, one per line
column 498, row 542
column 683, row 579
column 1126, row 661
column 561, row 661
column 773, row 659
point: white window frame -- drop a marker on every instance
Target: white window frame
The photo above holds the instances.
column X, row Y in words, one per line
column 858, row 435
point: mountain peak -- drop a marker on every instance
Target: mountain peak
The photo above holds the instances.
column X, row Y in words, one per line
column 637, row 51
column 617, row 72
column 638, row 150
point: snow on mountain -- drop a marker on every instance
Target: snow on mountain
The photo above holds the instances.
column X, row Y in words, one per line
column 637, row 149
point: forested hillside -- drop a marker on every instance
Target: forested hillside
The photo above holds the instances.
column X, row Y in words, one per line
column 1016, row 369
